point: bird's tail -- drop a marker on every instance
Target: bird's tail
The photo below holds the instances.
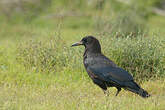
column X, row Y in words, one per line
column 134, row 87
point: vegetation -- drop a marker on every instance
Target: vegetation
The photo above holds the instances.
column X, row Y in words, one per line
column 39, row 70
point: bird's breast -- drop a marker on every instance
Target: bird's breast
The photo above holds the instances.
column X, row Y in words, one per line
column 89, row 61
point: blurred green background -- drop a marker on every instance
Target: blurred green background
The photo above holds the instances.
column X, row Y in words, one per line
column 39, row 70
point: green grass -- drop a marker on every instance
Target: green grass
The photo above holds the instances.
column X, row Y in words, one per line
column 59, row 93
column 67, row 88
column 40, row 71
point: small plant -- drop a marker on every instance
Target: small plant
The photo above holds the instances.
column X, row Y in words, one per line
column 143, row 57
column 36, row 56
column 47, row 56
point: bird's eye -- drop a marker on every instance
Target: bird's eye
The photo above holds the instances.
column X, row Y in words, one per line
column 85, row 40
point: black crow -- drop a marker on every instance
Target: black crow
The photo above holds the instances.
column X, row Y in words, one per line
column 104, row 72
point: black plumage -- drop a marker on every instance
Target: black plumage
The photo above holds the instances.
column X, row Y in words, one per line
column 104, row 72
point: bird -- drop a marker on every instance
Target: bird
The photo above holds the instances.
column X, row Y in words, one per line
column 104, row 72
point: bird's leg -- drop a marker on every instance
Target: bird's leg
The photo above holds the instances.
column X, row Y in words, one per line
column 106, row 92
column 118, row 90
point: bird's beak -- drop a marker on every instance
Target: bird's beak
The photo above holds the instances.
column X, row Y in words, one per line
column 77, row 44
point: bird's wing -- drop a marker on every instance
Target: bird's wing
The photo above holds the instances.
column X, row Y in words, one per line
column 111, row 74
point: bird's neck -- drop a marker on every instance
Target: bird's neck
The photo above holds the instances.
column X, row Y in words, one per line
column 89, row 51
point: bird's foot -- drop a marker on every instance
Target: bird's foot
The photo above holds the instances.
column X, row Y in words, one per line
column 118, row 90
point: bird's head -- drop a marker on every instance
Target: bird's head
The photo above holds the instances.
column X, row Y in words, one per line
column 91, row 44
